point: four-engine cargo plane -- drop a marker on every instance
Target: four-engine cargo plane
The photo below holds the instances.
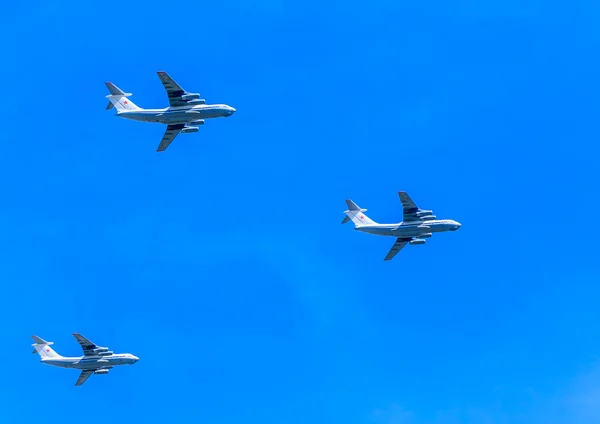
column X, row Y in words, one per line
column 417, row 224
column 185, row 113
column 95, row 359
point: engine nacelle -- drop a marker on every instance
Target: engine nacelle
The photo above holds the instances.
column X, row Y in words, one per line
column 425, row 235
column 107, row 353
column 100, row 349
column 428, row 218
column 195, row 123
column 422, row 212
column 101, row 372
column 417, row 241
column 196, row 102
column 190, row 96
column 186, row 130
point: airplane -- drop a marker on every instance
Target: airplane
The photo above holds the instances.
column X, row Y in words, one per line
column 95, row 359
column 416, row 226
column 185, row 113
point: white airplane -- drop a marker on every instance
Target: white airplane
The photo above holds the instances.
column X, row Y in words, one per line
column 417, row 224
column 95, row 359
column 185, row 112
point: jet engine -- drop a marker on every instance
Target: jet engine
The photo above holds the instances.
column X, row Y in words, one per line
column 100, row 349
column 417, row 241
column 428, row 218
column 196, row 102
column 190, row 96
column 425, row 235
column 101, row 372
column 106, row 353
column 422, row 212
column 189, row 129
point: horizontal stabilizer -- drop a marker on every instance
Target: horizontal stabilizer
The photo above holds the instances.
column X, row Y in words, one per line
column 42, row 347
column 353, row 206
column 116, row 91
column 37, row 344
column 39, row 340
column 118, row 99
column 356, row 215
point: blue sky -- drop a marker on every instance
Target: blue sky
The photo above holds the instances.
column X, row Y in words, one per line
column 221, row 263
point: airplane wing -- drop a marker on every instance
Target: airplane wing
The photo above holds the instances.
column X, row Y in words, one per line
column 83, row 377
column 170, row 134
column 398, row 245
column 174, row 90
column 410, row 208
column 411, row 211
column 87, row 345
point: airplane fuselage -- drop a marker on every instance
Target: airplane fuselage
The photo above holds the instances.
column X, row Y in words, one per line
column 91, row 362
column 178, row 115
column 410, row 229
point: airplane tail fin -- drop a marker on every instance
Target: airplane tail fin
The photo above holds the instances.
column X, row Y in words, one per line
column 118, row 98
column 42, row 347
column 356, row 215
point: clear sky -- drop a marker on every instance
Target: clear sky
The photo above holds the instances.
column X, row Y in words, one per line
column 222, row 263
